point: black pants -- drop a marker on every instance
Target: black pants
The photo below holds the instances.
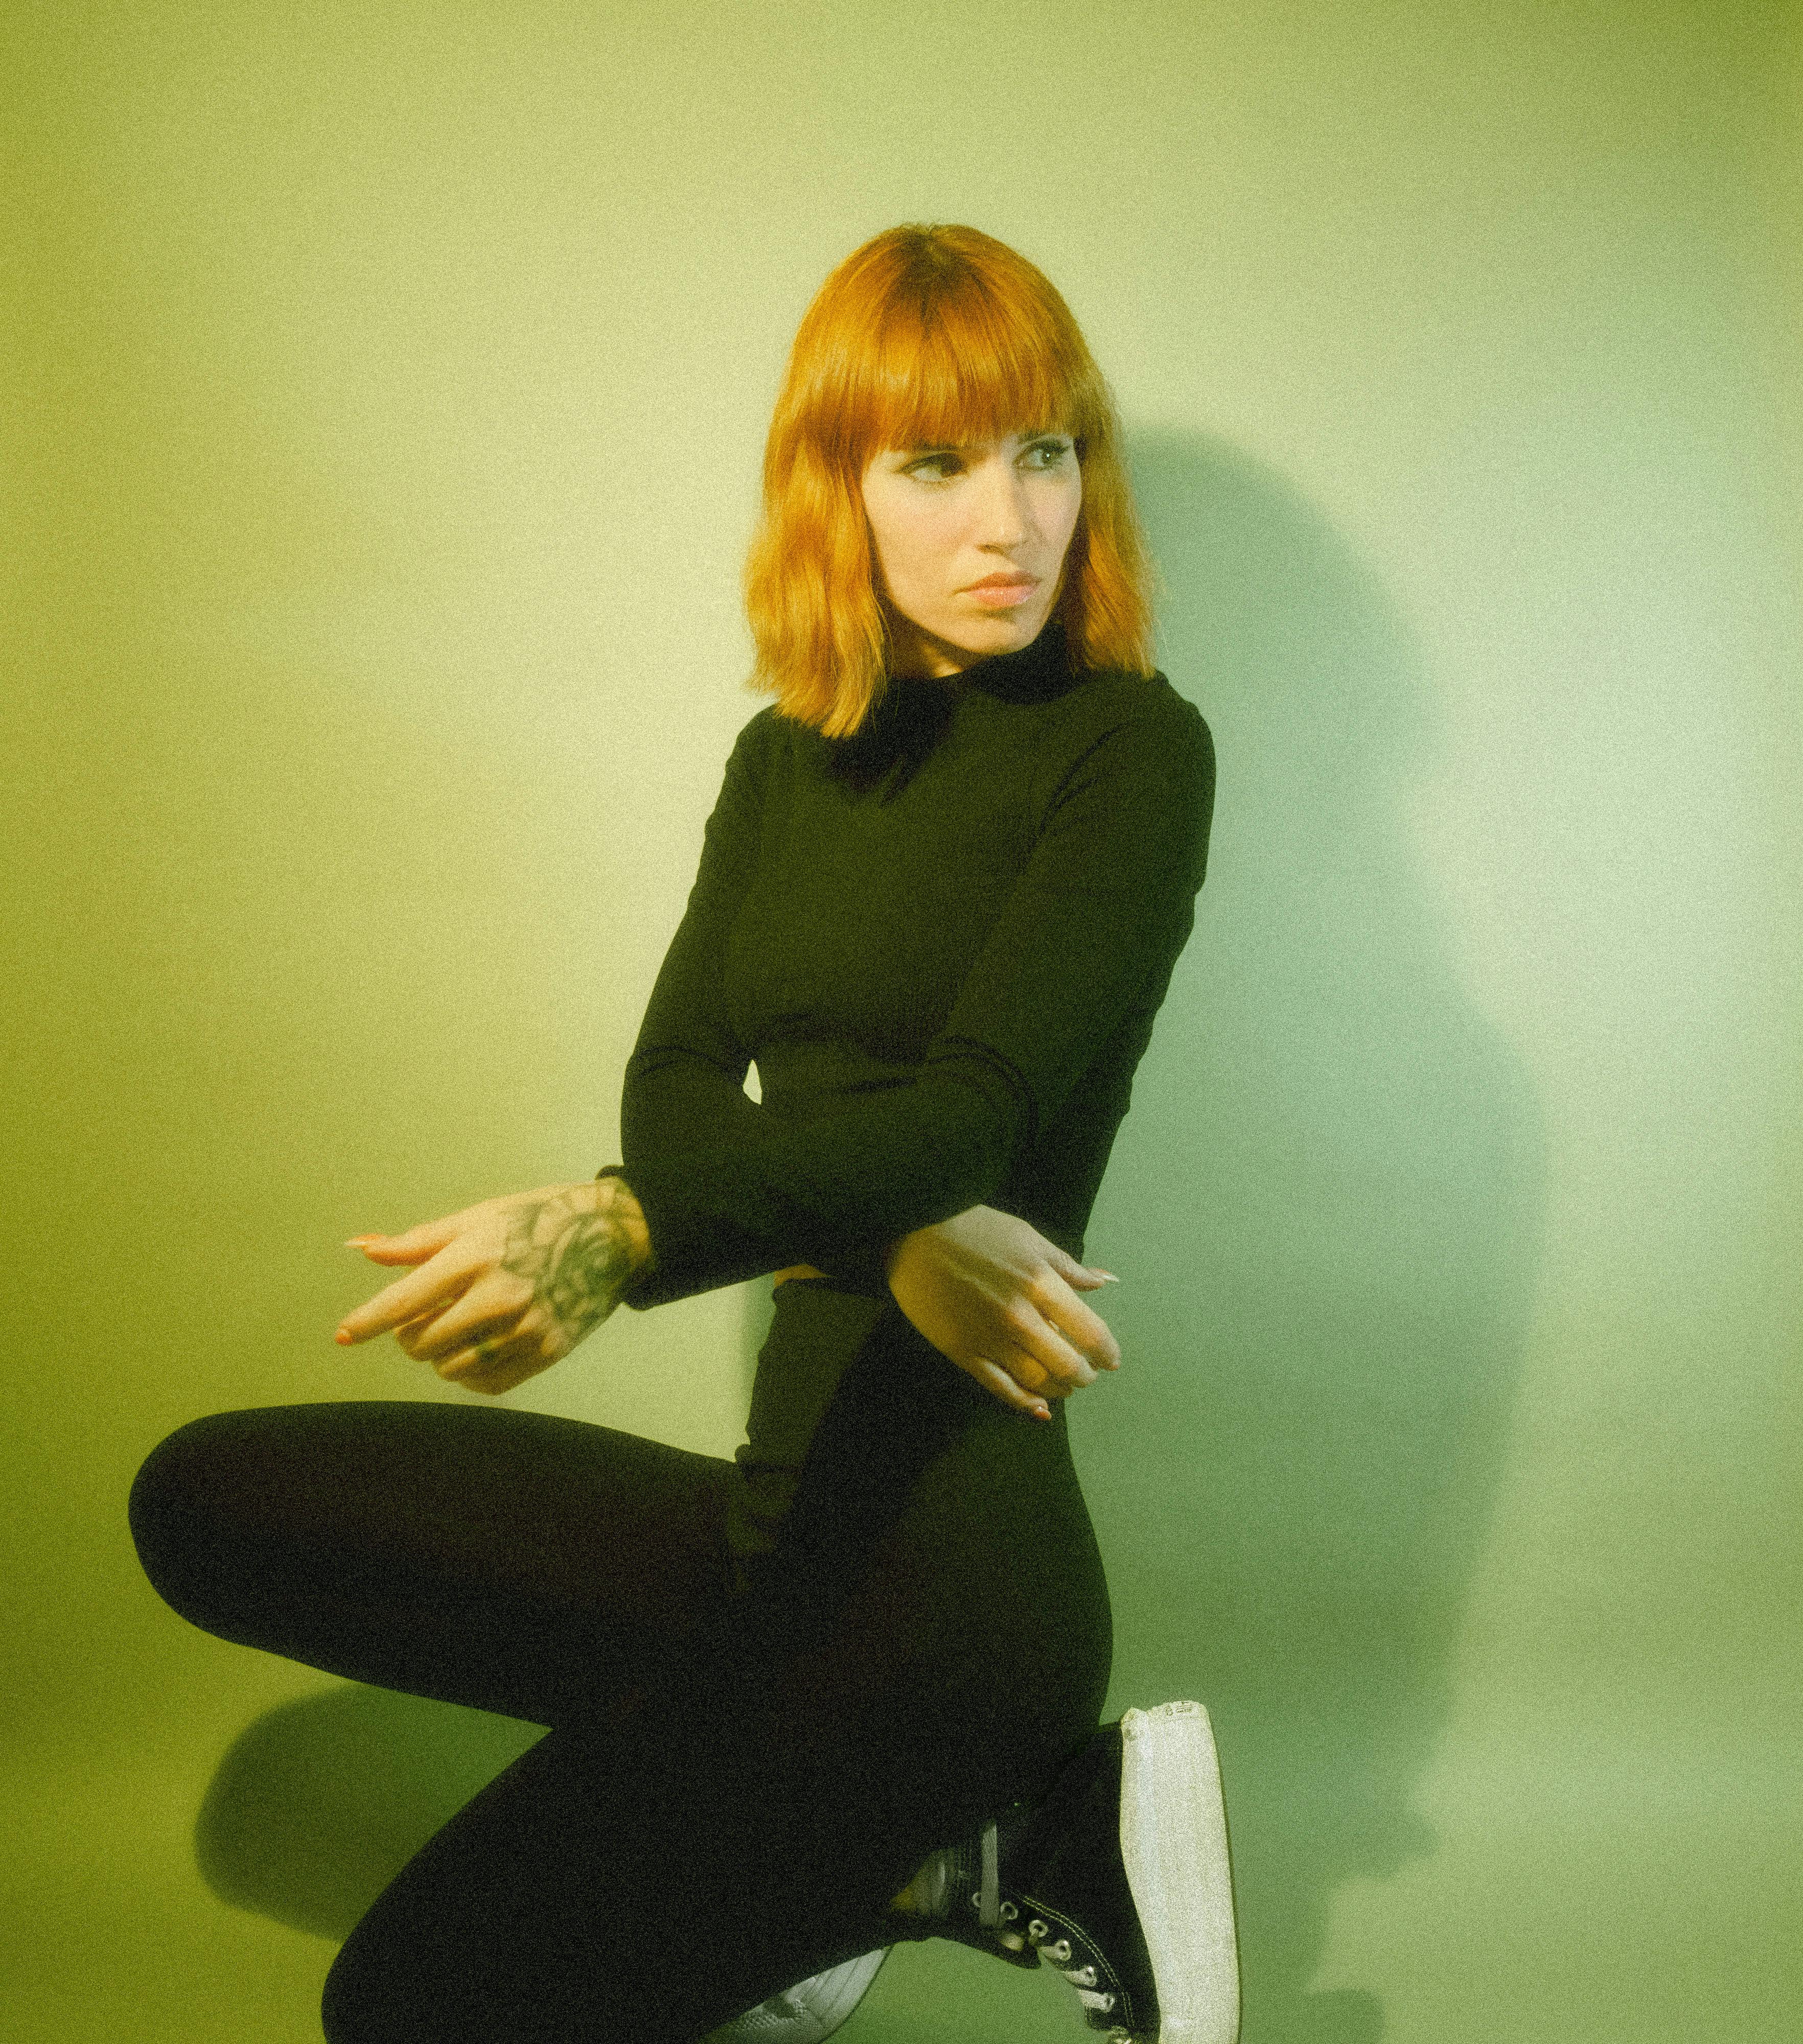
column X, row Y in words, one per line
column 772, row 1688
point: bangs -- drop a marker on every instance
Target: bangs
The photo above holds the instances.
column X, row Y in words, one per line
column 934, row 336
column 955, row 362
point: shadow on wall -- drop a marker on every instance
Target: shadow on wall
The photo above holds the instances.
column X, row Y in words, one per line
column 318, row 1804
column 1325, row 1207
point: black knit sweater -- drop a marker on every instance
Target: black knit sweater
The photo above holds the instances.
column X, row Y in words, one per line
column 944, row 943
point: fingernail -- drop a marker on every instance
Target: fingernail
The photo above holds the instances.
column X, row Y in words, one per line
column 1042, row 1411
column 342, row 1338
column 1107, row 1276
column 358, row 1241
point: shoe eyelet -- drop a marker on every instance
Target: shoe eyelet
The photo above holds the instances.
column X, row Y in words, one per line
column 1059, row 1953
column 1037, row 1929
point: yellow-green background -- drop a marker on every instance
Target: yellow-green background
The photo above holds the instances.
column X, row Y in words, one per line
column 386, row 387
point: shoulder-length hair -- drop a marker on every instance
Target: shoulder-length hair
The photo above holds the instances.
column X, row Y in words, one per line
column 925, row 336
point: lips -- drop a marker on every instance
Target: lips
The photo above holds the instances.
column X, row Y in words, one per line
column 1002, row 592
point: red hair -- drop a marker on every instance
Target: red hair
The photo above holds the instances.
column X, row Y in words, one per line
column 925, row 336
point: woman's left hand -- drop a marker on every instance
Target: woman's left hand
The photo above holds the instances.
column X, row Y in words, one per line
column 996, row 1297
column 506, row 1287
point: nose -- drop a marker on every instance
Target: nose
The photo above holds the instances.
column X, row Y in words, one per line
column 1003, row 519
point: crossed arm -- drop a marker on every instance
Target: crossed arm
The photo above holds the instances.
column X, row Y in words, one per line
column 503, row 1290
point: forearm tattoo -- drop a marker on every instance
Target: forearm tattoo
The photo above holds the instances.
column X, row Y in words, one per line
column 577, row 1260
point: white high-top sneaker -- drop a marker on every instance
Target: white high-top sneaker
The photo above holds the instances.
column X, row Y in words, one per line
column 1119, row 1877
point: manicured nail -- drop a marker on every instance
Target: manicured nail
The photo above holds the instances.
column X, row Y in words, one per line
column 342, row 1338
column 358, row 1241
column 1107, row 1276
column 1042, row 1411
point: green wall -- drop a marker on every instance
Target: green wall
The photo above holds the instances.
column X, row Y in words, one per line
column 386, row 389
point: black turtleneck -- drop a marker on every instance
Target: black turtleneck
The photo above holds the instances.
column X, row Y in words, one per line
column 942, row 941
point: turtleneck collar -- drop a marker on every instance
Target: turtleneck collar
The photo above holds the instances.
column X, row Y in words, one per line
column 1037, row 672
column 913, row 710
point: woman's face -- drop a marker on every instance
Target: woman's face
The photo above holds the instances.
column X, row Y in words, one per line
column 971, row 544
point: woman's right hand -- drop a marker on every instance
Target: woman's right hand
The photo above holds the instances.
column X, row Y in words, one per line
column 503, row 1290
column 991, row 1293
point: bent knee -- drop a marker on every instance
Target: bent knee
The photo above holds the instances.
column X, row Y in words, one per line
column 398, row 1983
column 182, row 1504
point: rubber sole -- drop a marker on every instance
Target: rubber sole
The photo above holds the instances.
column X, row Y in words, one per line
column 1174, row 1843
column 810, row 2010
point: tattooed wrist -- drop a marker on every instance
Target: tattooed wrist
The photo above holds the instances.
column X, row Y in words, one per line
column 576, row 1255
column 616, row 1197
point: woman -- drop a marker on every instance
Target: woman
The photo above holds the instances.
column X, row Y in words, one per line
column 843, row 1690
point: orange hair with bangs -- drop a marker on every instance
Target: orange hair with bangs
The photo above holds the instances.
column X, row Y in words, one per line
column 925, row 336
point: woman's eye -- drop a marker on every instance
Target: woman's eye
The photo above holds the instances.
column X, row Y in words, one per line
column 1053, row 451
column 943, row 464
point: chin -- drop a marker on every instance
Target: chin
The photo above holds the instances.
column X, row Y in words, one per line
column 965, row 639
column 999, row 634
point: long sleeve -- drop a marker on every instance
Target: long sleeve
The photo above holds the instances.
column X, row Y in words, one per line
column 1087, row 931
column 685, row 1081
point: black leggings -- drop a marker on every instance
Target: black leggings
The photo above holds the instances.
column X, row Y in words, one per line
column 753, row 1743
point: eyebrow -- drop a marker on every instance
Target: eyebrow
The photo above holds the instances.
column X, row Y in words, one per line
column 948, row 447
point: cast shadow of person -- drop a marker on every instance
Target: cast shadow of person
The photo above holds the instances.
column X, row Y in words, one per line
column 1325, row 1207
column 319, row 1803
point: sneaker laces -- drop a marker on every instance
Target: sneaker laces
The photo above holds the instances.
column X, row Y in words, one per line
column 997, row 1916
